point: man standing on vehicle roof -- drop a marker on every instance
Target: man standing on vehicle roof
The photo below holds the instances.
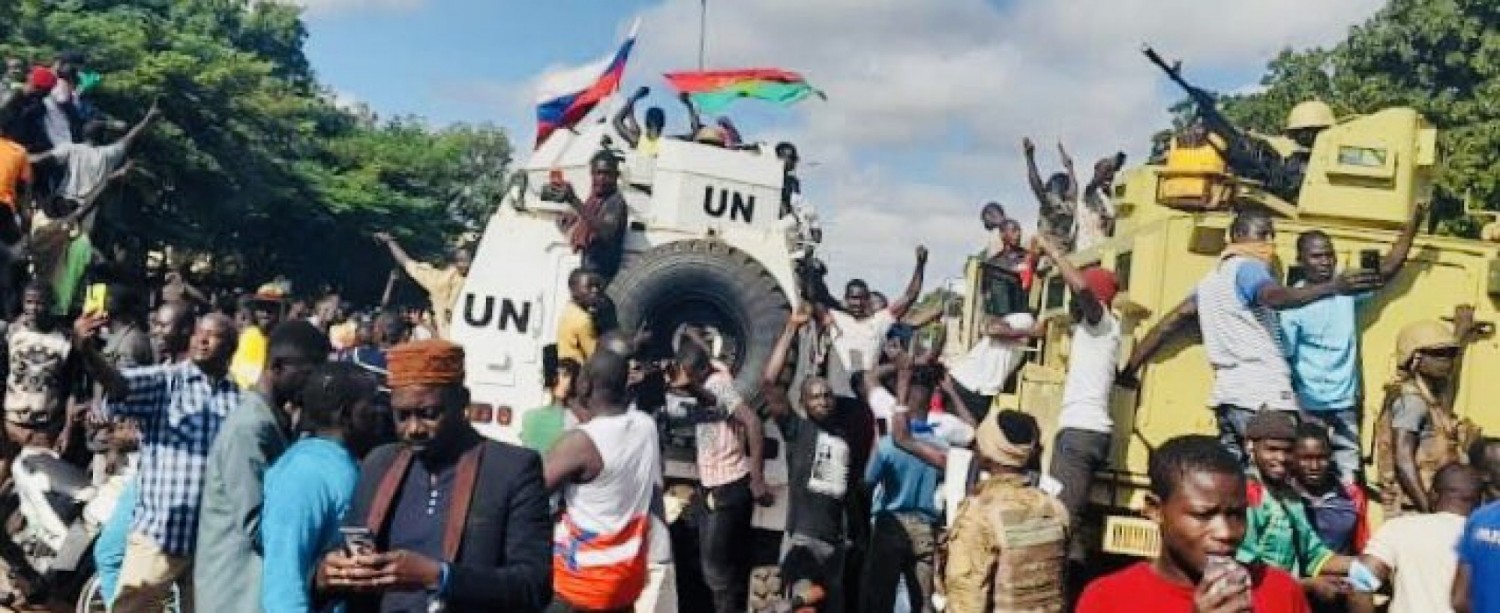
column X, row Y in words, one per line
column 443, row 285
column 1322, row 342
column 1235, row 306
column 596, row 227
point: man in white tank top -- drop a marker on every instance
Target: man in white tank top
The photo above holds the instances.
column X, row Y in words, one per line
column 609, row 471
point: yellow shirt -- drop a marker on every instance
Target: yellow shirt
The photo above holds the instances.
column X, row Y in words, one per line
column 576, row 334
column 648, row 146
column 443, row 286
column 249, row 359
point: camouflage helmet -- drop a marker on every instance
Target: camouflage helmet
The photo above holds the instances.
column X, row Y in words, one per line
column 1310, row 114
column 1420, row 336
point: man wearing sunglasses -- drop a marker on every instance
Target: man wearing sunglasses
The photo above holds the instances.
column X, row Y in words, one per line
column 459, row 523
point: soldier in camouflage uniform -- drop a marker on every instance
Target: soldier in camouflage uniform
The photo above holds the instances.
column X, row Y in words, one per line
column 1007, row 547
column 1417, row 432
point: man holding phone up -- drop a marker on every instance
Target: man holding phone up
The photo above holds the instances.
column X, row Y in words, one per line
column 1322, row 340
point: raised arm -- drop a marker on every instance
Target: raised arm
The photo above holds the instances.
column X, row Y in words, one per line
column 1067, row 162
column 1033, row 176
column 135, row 133
column 1396, row 259
column 1171, row 325
column 1093, row 310
column 694, row 121
column 777, row 403
column 624, row 120
column 1277, row 296
column 901, row 426
column 913, row 287
column 85, row 330
column 397, row 252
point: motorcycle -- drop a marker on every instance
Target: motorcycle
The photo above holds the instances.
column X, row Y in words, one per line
column 62, row 513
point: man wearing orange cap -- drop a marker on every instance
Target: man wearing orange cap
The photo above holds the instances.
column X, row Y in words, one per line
column 250, row 359
column 459, row 522
column 1084, row 425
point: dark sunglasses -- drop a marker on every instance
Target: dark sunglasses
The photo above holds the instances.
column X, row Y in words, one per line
column 1442, row 352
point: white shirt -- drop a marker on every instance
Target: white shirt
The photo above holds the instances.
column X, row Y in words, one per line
column 991, row 361
column 1420, row 550
column 86, row 166
column 945, row 426
column 856, row 346
column 1092, row 363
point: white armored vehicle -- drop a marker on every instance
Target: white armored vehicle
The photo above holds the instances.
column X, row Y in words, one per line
column 708, row 244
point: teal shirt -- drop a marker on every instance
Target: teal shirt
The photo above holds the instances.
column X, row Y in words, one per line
column 1278, row 533
column 541, row 427
column 308, row 492
column 1322, row 346
column 906, row 483
column 227, row 563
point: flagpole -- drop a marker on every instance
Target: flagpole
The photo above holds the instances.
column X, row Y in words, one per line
column 702, row 30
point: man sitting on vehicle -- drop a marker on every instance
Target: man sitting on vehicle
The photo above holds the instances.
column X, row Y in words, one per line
column 645, row 142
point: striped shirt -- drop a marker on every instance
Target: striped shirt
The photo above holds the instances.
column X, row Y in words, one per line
column 180, row 410
column 1242, row 338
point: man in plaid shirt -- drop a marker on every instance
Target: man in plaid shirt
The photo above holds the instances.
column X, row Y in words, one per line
column 180, row 408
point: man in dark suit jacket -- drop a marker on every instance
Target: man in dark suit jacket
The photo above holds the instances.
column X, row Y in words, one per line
column 456, row 518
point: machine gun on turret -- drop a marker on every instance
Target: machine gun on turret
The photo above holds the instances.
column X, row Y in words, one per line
column 1249, row 157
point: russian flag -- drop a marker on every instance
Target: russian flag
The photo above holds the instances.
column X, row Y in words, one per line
column 565, row 97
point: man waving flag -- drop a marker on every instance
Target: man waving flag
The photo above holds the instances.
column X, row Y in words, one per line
column 565, row 97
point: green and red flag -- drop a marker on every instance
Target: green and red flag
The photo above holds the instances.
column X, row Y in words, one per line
column 713, row 90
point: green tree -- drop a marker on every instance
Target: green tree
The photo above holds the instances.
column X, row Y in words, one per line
column 255, row 169
column 1441, row 57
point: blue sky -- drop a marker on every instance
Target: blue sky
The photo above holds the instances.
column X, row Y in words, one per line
column 928, row 99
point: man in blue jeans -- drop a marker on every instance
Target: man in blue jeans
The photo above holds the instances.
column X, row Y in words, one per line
column 1322, row 343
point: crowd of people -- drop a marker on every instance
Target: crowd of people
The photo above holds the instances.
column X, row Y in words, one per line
column 282, row 455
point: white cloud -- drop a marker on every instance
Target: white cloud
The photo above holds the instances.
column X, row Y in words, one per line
column 951, row 86
column 324, row 7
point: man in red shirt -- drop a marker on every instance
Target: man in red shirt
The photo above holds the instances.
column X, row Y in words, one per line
column 1198, row 499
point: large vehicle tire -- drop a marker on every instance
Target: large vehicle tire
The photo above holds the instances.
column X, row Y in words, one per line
column 708, row 283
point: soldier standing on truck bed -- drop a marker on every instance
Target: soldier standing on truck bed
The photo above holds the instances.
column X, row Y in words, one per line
column 1235, row 306
column 1322, row 342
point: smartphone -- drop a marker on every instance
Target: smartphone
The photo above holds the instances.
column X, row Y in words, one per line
column 358, row 540
column 1369, row 259
column 96, row 299
column 1237, row 578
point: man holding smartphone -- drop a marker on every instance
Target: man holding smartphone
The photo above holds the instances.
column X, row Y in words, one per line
column 1322, row 340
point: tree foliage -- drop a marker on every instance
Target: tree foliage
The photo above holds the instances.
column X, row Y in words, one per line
column 1441, row 57
column 255, row 167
